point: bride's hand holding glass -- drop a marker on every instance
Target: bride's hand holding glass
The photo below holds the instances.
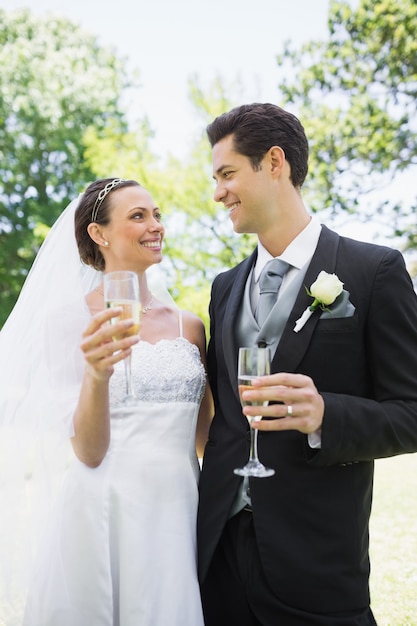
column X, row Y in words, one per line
column 121, row 290
column 101, row 348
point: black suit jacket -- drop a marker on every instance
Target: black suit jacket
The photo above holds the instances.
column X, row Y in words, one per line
column 311, row 518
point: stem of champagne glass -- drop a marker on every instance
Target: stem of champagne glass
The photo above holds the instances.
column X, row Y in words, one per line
column 253, row 456
column 128, row 373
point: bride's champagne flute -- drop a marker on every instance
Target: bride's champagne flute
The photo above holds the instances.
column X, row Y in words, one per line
column 121, row 289
column 253, row 362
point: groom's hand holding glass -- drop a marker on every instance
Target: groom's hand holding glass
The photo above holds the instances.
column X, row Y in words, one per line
column 296, row 403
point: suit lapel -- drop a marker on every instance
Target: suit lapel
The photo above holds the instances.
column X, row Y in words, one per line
column 231, row 312
column 293, row 346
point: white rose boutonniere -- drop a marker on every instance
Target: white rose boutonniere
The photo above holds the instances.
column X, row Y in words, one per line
column 324, row 290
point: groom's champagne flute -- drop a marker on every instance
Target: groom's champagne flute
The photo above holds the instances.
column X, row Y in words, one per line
column 121, row 289
column 253, row 362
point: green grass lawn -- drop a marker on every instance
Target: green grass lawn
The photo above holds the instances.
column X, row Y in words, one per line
column 393, row 531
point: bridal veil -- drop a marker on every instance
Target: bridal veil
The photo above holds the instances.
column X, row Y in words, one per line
column 40, row 377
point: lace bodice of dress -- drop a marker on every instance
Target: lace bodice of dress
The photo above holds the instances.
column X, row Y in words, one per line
column 168, row 371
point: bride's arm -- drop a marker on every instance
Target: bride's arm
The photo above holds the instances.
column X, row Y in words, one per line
column 195, row 333
column 91, row 419
column 205, row 416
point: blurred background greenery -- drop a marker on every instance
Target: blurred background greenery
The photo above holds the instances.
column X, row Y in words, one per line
column 66, row 102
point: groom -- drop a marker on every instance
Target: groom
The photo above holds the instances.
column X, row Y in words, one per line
column 292, row 550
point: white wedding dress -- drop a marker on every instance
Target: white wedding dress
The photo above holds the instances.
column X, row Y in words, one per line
column 120, row 549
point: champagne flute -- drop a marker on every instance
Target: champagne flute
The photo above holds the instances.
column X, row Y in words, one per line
column 121, row 289
column 253, row 362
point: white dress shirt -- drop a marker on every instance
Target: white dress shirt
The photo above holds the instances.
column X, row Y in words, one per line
column 297, row 254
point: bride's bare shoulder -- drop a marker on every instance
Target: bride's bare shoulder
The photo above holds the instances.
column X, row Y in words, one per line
column 194, row 329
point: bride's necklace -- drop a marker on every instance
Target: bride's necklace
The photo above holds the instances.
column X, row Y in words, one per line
column 145, row 309
column 148, row 307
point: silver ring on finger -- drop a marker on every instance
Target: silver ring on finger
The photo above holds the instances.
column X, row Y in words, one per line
column 289, row 410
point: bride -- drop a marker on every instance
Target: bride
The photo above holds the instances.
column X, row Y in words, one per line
column 117, row 547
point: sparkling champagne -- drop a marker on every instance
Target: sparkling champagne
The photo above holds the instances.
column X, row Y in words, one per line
column 130, row 310
column 245, row 383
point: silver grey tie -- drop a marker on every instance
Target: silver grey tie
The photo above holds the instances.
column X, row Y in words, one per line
column 269, row 285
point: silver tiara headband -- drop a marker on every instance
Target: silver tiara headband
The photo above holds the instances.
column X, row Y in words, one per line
column 103, row 193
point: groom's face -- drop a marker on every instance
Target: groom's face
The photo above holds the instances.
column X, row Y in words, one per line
column 245, row 192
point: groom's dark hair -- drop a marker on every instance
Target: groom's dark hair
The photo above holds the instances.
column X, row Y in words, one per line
column 256, row 128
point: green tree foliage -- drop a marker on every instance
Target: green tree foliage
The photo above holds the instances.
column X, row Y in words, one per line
column 62, row 125
column 356, row 93
column 56, row 83
column 200, row 238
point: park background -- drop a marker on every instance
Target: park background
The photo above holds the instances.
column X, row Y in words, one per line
column 126, row 89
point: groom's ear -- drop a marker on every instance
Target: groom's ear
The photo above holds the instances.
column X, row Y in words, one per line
column 276, row 160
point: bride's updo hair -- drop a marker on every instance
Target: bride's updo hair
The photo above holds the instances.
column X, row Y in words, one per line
column 95, row 206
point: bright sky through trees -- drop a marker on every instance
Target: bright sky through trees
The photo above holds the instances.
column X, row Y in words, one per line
column 170, row 41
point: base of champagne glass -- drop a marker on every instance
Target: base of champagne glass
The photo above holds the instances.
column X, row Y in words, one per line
column 254, row 469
